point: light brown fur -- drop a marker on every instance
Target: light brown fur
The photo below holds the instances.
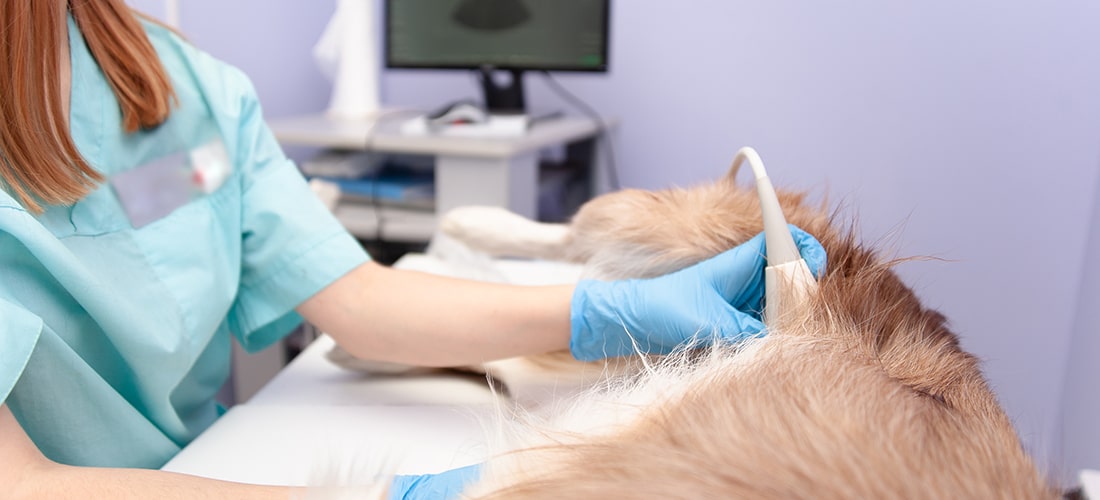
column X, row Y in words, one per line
column 861, row 393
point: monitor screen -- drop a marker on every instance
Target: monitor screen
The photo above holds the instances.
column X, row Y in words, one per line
column 551, row 35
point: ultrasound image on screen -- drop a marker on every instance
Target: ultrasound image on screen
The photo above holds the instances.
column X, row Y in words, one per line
column 525, row 34
column 491, row 15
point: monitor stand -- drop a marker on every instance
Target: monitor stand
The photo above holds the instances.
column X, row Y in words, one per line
column 506, row 98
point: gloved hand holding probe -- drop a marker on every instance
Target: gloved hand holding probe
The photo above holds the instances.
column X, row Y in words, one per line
column 720, row 296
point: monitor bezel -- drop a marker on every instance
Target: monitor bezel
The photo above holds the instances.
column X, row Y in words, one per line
column 602, row 68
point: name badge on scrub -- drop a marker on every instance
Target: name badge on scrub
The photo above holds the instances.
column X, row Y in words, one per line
column 155, row 189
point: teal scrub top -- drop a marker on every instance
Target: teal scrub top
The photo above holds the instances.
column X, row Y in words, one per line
column 114, row 339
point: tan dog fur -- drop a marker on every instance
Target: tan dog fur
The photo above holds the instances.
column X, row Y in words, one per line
column 861, row 392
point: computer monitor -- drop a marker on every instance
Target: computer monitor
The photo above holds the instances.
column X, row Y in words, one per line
column 498, row 35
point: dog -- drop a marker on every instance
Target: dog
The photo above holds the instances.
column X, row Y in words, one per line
column 857, row 391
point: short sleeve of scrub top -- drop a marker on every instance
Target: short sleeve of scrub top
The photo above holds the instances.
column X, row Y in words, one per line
column 115, row 329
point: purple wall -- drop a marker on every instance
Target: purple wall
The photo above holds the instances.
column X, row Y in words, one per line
column 1080, row 432
column 968, row 131
column 271, row 41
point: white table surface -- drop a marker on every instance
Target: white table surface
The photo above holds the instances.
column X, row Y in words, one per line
column 310, row 379
column 315, row 420
column 317, row 445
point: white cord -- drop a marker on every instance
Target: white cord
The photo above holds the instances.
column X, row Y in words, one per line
column 785, row 264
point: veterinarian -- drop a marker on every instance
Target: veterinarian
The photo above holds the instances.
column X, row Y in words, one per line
column 147, row 214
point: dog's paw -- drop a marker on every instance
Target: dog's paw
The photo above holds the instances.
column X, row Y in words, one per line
column 500, row 232
column 477, row 223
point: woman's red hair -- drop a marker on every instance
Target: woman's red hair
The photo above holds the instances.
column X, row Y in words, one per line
column 39, row 162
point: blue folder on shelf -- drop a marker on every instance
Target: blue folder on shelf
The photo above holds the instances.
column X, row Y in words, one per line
column 400, row 187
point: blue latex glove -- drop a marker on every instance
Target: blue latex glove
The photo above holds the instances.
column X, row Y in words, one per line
column 721, row 295
column 442, row 486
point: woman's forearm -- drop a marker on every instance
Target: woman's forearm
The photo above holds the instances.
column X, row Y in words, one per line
column 26, row 473
column 386, row 314
column 89, row 482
